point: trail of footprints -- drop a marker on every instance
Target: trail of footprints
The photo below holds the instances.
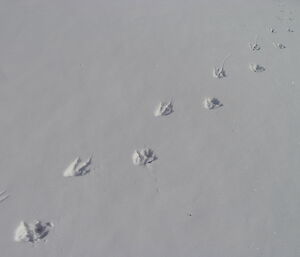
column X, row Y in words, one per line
column 36, row 231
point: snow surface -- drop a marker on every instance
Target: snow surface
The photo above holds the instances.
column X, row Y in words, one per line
column 80, row 77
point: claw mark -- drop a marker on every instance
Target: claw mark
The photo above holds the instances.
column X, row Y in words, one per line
column 219, row 72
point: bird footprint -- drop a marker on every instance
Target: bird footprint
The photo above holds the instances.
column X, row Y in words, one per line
column 78, row 168
column 211, row 103
column 279, row 45
column 219, row 72
column 164, row 109
column 256, row 68
column 254, row 46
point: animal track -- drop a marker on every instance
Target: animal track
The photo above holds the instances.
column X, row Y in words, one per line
column 256, row 68
column 279, row 45
column 78, row 168
column 143, row 157
column 32, row 232
column 164, row 109
column 290, row 30
column 219, row 72
column 211, row 103
column 254, row 46
column 3, row 196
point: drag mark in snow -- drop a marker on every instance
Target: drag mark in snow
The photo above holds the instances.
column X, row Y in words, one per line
column 32, row 232
column 143, row 157
column 3, row 196
column 78, row 168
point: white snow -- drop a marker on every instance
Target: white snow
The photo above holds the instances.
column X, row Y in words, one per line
column 80, row 77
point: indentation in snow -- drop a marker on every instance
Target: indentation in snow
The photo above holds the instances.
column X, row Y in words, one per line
column 143, row 157
column 3, row 196
column 32, row 232
column 219, row 72
column 254, row 46
column 78, row 168
column 164, row 109
column 279, row 45
column 256, row 68
column 211, row 103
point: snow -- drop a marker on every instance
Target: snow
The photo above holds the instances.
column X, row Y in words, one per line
column 81, row 77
